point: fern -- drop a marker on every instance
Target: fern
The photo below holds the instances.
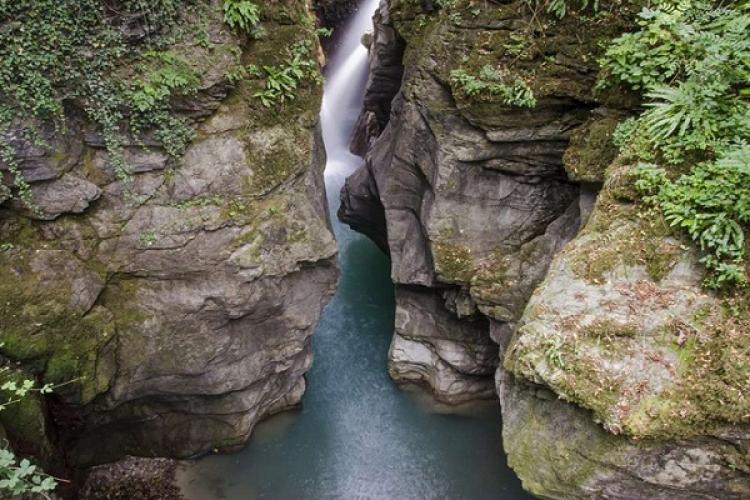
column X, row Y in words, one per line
column 712, row 205
column 559, row 8
column 493, row 84
column 692, row 61
column 282, row 81
column 241, row 14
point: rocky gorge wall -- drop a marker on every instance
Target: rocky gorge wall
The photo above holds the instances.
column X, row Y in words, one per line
column 175, row 308
column 515, row 230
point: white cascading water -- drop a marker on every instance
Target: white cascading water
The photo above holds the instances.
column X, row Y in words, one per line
column 344, row 91
column 358, row 435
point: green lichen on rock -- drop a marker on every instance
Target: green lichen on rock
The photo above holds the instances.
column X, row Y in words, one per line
column 453, row 263
column 43, row 328
column 591, row 150
column 714, row 370
column 492, row 276
column 622, row 234
column 278, row 138
column 504, row 280
column 558, row 452
column 622, row 327
column 553, row 60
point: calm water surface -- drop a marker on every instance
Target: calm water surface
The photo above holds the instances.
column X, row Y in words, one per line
column 358, row 436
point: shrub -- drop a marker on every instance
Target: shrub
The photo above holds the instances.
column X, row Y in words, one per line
column 21, row 477
column 493, row 84
column 691, row 59
column 711, row 204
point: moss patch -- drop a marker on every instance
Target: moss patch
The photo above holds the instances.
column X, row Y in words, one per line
column 41, row 330
column 453, row 263
column 591, row 150
column 714, row 375
column 621, row 234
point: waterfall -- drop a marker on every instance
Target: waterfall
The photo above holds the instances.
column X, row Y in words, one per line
column 344, row 91
column 358, row 435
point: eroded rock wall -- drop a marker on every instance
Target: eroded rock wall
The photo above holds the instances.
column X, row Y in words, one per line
column 471, row 200
column 176, row 307
column 619, row 375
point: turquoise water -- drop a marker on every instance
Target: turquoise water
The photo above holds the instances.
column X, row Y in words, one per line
column 358, row 436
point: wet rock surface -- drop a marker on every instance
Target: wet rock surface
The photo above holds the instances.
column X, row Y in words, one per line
column 386, row 52
column 465, row 205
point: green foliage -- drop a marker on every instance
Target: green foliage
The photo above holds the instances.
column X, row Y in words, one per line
column 690, row 40
column 712, row 204
column 282, row 81
column 493, row 84
column 151, row 92
column 149, row 98
column 239, row 73
column 559, row 8
column 20, row 477
column 58, row 51
column 691, row 59
column 241, row 14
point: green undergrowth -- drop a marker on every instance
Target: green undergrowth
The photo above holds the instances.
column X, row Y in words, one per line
column 690, row 145
column 22, row 420
column 122, row 68
column 493, row 84
column 54, row 53
column 501, row 60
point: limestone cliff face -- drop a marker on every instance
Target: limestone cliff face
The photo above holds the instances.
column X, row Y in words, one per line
column 625, row 378
column 471, row 200
column 179, row 307
column 615, row 369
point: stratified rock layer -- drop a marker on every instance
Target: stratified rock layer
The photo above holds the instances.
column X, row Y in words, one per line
column 177, row 307
column 468, row 206
column 620, row 376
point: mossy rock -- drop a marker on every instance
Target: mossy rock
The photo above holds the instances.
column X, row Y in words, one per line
column 622, row 326
column 453, row 262
column 50, row 322
column 558, row 451
column 591, row 150
column 24, row 421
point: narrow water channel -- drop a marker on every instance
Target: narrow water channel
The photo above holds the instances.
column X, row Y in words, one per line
column 358, row 435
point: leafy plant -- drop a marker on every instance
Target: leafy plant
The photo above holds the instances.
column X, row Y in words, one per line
column 241, row 14
column 57, row 51
column 493, row 84
column 239, row 73
column 559, row 8
column 149, row 98
column 282, row 81
column 21, row 477
column 712, row 204
column 692, row 61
